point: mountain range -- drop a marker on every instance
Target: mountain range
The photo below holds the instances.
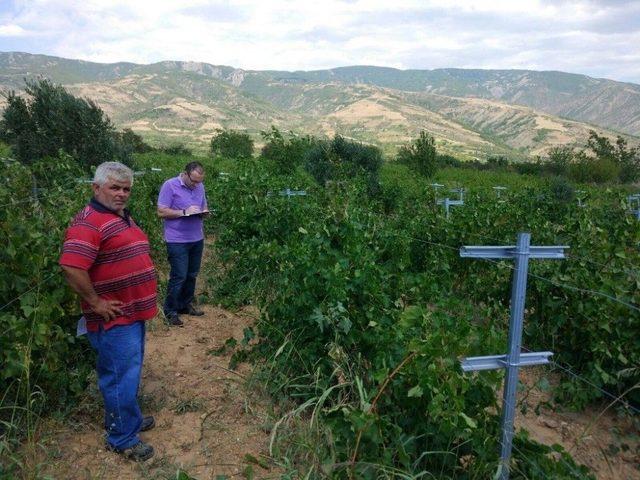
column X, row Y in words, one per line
column 472, row 113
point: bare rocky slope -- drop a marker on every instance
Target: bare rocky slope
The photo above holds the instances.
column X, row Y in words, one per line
column 472, row 113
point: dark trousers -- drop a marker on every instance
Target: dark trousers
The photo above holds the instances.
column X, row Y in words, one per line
column 184, row 259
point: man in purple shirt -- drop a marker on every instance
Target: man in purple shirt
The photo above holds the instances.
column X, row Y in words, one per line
column 182, row 204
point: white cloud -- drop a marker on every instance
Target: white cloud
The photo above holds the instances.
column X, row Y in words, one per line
column 583, row 36
column 12, row 30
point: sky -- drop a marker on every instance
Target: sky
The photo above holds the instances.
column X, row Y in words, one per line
column 596, row 38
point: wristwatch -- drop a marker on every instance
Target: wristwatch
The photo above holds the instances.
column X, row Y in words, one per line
column 184, row 212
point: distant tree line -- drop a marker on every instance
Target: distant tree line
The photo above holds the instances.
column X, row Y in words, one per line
column 601, row 161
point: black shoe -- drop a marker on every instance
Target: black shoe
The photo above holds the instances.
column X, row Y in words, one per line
column 138, row 453
column 191, row 310
column 172, row 319
column 147, row 423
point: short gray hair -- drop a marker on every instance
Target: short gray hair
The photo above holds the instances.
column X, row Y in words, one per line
column 114, row 170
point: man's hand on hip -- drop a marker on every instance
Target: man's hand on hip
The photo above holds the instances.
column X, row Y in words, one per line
column 108, row 309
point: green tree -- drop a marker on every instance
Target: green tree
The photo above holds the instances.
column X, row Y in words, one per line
column 626, row 159
column 232, row 144
column 559, row 160
column 287, row 153
column 133, row 142
column 341, row 159
column 50, row 119
column 421, row 155
column 588, row 169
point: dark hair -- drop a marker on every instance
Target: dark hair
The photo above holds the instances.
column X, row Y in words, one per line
column 191, row 166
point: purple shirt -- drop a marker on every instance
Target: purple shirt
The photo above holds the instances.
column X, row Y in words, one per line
column 176, row 195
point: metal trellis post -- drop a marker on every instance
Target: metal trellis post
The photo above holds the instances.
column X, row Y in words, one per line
column 635, row 198
column 289, row 193
column 447, row 202
column 436, row 186
column 499, row 190
column 514, row 359
column 460, row 192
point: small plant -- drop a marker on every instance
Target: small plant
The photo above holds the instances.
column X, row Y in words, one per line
column 191, row 405
column 229, row 344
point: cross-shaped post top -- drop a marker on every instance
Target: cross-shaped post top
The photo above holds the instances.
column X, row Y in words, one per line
column 511, row 251
column 459, row 191
column 292, row 193
column 499, row 190
column 448, row 201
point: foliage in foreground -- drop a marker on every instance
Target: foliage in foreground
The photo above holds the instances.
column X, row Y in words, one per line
column 365, row 315
column 44, row 366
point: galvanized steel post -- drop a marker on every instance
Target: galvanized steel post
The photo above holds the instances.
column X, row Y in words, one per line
column 513, row 360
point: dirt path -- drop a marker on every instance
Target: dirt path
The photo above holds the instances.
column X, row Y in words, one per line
column 208, row 423
column 608, row 444
column 212, row 425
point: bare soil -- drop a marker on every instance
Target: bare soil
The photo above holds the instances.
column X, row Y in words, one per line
column 209, row 421
column 606, row 442
column 213, row 423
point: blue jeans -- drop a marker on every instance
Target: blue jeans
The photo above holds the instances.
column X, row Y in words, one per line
column 184, row 259
column 119, row 365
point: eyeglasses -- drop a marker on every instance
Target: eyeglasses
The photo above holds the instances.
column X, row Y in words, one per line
column 193, row 182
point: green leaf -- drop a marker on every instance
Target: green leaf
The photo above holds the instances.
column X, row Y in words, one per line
column 256, row 461
column 415, row 392
column 471, row 423
column 248, row 472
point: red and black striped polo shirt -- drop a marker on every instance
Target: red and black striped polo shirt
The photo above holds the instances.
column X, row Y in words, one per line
column 115, row 253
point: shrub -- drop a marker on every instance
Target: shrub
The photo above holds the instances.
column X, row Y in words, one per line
column 529, row 168
column 342, row 159
column 320, row 163
column 421, row 155
column 561, row 189
column 445, row 160
column 231, row 144
column 287, row 153
column 627, row 160
column 594, row 170
column 559, row 160
column 497, row 163
column 51, row 119
column 176, row 149
column 133, row 142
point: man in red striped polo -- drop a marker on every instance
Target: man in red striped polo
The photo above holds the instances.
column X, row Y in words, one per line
column 105, row 259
